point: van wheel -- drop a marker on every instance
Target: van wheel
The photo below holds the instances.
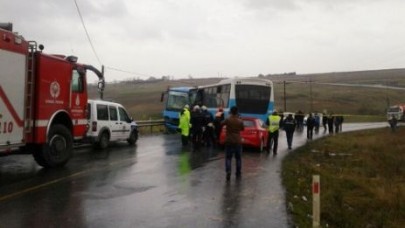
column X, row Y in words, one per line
column 133, row 138
column 58, row 150
column 104, row 140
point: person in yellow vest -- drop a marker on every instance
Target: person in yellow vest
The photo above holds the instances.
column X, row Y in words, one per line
column 273, row 122
column 184, row 125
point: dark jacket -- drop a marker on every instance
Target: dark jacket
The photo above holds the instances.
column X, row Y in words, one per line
column 310, row 122
column 234, row 125
column 289, row 124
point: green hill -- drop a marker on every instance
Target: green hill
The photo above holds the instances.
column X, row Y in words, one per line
column 302, row 92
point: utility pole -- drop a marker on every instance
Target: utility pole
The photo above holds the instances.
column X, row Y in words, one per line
column 285, row 99
column 310, row 95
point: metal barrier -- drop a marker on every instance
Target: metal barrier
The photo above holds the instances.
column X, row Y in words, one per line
column 150, row 123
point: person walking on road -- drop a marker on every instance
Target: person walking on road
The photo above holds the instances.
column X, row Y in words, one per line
column 289, row 127
column 274, row 122
column 233, row 143
column 184, row 125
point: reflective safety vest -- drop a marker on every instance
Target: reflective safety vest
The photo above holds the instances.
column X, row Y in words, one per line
column 274, row 123
column 184, row 123
column 187, row 113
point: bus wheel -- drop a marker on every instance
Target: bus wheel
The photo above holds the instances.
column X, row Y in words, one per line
column 58, row 150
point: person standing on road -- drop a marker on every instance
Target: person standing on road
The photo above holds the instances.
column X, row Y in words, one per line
column 299, row 117
column 324, row 122
column 197, row 123
column 337, row 124
column 274, row 122
column 393, row 123
column 310, row 126
column 233, row 143
column 184, row 125
column 331, row 119
column 317, row 119
column 219, row 117
column 208, row 134
column 289, row 127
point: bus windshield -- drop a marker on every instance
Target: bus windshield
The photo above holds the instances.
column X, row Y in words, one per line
column 246, row 95
column 177, row 100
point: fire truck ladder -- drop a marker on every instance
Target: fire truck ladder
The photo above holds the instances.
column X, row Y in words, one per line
column 30, row 87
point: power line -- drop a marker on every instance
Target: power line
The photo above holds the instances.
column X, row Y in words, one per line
column 128, row 72
column 87, row 34
column 94, row 50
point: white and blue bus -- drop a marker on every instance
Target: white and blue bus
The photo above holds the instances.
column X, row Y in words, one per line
column 254, row 97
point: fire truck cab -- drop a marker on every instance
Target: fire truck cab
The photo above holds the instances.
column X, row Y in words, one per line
column 43, row 100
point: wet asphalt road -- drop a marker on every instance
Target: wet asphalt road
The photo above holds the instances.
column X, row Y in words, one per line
column 154, row 184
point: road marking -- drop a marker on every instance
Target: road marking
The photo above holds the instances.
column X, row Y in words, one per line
column 34, row 188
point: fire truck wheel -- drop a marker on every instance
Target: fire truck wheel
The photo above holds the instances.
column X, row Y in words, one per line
column 133, row 138
column 104, row 140
column 58, row 150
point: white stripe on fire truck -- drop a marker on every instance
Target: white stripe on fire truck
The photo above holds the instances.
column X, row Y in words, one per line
column 41, row 123
column 80, row 121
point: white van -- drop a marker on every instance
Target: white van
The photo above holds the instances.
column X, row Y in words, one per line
column 109, row 122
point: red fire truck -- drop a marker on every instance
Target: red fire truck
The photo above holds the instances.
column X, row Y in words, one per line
column 43, row 100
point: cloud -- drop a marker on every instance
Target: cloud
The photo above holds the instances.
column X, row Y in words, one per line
column 271, row 4
column 230, row 37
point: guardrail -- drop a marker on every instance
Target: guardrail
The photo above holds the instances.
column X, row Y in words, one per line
column 150, row 123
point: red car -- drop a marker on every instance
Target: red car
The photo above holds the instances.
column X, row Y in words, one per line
column 254, row 135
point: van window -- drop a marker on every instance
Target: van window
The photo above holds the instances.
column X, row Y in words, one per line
column 123, row 115
column 113, row 113
column 102, row 112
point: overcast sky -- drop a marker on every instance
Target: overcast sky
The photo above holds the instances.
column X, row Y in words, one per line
column 210, row 38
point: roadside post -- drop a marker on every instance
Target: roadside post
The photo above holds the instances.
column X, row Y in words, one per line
column 316, row 201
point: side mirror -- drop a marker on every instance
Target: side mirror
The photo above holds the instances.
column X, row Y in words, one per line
column 101, row 85
column 162, row 97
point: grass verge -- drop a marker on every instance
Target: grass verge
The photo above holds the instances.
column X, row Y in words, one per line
column 362, row 179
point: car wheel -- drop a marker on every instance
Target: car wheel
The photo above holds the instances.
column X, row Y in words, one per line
column 104, row 140
column 133, row 137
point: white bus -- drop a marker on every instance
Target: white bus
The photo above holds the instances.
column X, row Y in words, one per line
column 254, row 97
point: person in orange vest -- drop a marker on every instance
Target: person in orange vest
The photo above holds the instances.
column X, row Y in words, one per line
column 273, row 122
